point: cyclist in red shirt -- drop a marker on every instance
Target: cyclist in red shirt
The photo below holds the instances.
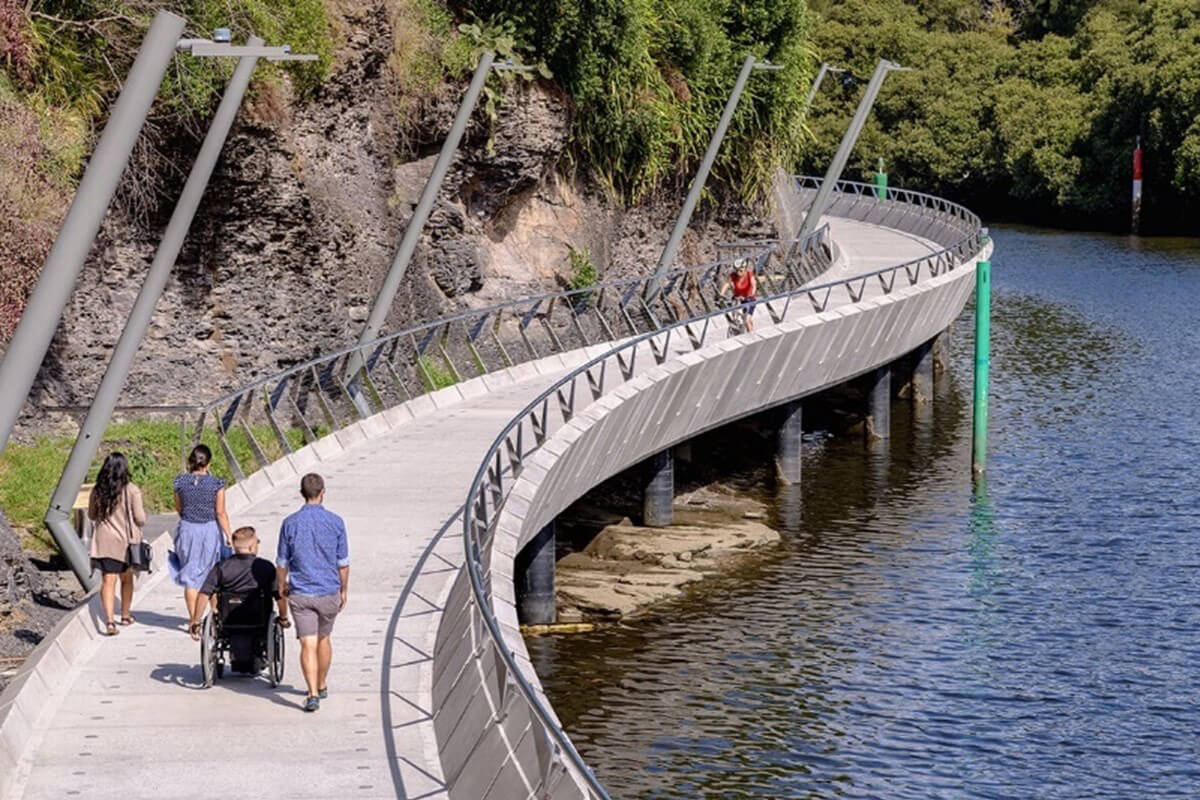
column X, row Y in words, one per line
column 745, row 289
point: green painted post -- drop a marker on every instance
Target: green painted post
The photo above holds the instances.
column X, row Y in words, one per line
column 983, row 314
column 881, row 182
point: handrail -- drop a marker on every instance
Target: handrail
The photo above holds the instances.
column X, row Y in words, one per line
column 317, row 396
column 536, row 300
column 330, row 391
column 487, row 493
column 423, row 358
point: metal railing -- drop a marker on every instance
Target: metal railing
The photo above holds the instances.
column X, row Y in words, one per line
column 274, row 415
column 319, row 396
column 914, row 212
column 557, row 405
column 181, row 411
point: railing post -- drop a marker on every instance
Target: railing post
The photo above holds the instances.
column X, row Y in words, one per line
column 25, row 352
column 88, row 441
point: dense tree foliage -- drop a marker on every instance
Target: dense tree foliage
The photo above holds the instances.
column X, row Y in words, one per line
column 1030, row 108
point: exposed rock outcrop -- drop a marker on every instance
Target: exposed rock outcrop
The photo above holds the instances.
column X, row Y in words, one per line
column 627, row 568
column 31, row 602
column 303, row 215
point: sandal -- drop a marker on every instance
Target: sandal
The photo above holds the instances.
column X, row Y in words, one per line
column 128, row 619
column 110, row 628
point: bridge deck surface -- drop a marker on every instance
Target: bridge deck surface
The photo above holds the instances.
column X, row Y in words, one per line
column 134, row 723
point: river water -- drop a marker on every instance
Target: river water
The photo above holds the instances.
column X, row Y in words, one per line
column 914, row 637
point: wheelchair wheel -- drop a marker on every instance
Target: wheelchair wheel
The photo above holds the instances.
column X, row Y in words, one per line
column 275, row 650
column 210, row 668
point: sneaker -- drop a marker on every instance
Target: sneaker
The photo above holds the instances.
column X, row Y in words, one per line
column 312, row 703
column 323, row 693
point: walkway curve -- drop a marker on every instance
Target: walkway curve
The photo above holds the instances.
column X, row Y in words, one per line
column 482, row 669
column 129, row 719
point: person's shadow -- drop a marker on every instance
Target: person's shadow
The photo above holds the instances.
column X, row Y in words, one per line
column 189, row 676
column 156, row 620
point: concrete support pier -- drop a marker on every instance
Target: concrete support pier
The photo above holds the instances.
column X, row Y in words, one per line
column 941, row 352
column 878, row 387
column 922, row 375
column 787, row 453
column 657, row 508
column 534, row 576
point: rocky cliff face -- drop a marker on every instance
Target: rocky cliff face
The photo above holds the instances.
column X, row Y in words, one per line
column 31, row 602
column 302, row 218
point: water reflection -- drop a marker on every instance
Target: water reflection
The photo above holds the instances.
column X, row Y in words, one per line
column 916, row 637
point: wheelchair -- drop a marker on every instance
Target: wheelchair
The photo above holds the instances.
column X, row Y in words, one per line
column 244, row 635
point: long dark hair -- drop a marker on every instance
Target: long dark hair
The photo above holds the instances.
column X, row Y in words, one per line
column 112, row 480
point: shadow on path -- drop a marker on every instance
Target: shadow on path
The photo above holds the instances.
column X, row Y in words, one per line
column 187, row 676
column 166, row 621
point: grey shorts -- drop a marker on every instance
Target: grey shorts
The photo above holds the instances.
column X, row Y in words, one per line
column 314, row 616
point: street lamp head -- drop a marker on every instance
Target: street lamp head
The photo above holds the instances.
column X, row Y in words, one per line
column 222, row 35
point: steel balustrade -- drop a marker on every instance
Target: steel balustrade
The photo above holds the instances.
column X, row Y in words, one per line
column 315, row 398
column 270, row 416
column 582, row 386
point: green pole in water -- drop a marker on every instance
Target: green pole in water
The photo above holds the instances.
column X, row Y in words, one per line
column 983, row 314
column 881, row 182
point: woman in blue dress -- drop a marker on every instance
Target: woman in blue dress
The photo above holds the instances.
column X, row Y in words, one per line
column 203, row 526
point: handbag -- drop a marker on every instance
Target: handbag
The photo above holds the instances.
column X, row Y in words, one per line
column 138, row 556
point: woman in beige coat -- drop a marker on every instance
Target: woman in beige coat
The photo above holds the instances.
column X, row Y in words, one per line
column 115, row 508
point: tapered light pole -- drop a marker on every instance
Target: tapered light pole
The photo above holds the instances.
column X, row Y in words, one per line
column 834, row 173
column 710, row 155
column 31, row 340
column 412, row 234
column 821, row 73
column 57, row 517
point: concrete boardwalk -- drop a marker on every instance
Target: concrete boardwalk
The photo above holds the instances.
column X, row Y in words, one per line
column 132, row 720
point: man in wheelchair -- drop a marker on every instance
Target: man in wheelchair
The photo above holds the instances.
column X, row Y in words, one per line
column 243, row 626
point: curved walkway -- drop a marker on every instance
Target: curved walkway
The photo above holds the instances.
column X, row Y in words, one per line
column 131, row 722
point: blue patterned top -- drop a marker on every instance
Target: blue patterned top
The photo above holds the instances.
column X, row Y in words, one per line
column 198, row 496
column 312, row 545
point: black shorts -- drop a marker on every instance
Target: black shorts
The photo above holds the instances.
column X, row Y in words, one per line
column 109, row 566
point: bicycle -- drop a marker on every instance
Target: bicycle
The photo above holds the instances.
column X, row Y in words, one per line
column 737, row 313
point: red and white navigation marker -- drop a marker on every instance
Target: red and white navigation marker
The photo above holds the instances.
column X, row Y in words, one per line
column 1137, row 185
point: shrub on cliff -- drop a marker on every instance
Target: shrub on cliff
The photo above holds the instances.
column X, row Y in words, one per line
column 82, row 50
column 39, row 149
column 63, row 62
column 649, row 81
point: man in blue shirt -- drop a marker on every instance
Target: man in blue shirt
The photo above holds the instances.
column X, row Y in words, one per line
column 314, row 574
